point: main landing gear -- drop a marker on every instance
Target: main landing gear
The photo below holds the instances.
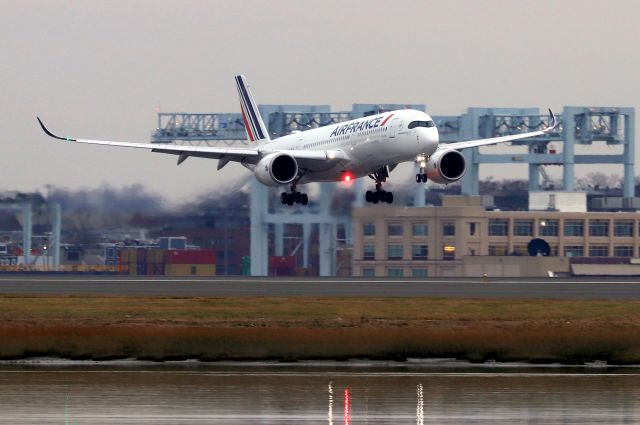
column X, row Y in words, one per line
column 379, row 195
column 294, row 197
column 421, row 178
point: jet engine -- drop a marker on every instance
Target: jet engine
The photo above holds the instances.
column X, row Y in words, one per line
column 276, row 169
column 446, row 166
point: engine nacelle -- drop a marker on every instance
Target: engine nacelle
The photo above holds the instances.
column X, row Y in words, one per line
column 446, row 166
column 276, row 169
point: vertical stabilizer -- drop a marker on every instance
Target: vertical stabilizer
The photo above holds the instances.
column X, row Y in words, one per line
column 256, row 130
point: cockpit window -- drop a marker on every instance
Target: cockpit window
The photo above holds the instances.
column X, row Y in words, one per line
column 415, row 124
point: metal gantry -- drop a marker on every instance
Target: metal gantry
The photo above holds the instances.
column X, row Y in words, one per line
column 207, row 127
column 27, row 230
column 578, row 125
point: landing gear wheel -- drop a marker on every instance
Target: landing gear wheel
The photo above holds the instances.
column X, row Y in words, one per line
column 389, row 197
column 424, row 178
column 380, row 195
column 294, row 197
column 418, row 178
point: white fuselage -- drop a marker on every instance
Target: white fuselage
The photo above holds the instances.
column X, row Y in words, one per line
column 368, row 143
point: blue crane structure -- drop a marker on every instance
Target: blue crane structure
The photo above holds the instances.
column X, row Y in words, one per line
column 578, row 126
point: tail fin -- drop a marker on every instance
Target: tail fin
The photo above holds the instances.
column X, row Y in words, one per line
column 253, row 123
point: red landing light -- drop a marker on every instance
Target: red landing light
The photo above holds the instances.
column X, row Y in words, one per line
column 347, row 177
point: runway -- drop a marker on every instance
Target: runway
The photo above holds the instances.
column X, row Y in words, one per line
column 559, row 288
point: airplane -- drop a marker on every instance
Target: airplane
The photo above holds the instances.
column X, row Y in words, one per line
column 371, row 146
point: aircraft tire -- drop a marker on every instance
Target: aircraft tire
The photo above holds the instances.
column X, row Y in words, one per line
column 389, row 197
column 283, row 198
column 368, row 196
column 375, row 197
column 424, row 178
column 419, row 178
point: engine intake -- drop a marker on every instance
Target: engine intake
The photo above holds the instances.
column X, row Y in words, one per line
column 276, row 169
column 446, row 166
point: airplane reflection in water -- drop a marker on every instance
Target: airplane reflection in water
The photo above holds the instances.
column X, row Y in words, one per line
column 347, row 405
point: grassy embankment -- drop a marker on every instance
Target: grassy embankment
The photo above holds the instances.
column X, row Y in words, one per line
column 163, row 328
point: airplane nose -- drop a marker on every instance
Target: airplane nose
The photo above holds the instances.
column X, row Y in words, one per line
column 428, row 138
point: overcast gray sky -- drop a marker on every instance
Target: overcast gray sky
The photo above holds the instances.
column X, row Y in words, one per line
column 97, row 70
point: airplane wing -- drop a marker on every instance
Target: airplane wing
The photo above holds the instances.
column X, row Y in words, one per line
column 248, row 155
column 492, row 141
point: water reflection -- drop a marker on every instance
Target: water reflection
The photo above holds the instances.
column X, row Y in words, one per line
column 330, row 415
column 420, row 406
column 311, row 395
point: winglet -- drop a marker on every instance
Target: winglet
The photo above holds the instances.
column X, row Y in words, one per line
column 553, row 122
column 68, row 139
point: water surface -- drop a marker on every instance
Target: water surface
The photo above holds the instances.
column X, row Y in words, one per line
column 315, row 395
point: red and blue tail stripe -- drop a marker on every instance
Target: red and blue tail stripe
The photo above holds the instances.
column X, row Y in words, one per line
column 252, row 120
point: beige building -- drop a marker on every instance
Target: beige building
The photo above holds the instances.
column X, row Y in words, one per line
column 461, row 238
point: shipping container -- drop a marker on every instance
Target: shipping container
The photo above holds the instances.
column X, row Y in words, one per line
column 155, row 255
column 195, row 256
column 141, row 269
column 142, row 255
column 128, row 255
column 281, row 261
column 190, row 270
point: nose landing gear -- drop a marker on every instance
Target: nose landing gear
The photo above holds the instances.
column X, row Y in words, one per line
column 421, row 177
column 379, row 195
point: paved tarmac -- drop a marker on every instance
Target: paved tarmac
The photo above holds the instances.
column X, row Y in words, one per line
column 560, row 288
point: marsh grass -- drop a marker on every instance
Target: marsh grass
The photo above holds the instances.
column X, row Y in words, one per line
column 206, row 343
column 315, row 328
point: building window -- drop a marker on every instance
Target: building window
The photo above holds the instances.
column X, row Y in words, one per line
column 368, row 272
column 598, row 227
column 369, row 252
column 394, row 251
column 623, row 251
column 599, row 251
column 420, row 252
column 523, row 228
column 394, row 229
column 369, row 229
column 497, row 250
column 419, row 273
column 520, row 250
column 420, row 229
column 574, row 227
column 498, row 227
column 449, row 229
column 548, row 227
column 448, row 252
column 573, row 251
column 623, row 227
column 395, row 272
column 473, row 228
